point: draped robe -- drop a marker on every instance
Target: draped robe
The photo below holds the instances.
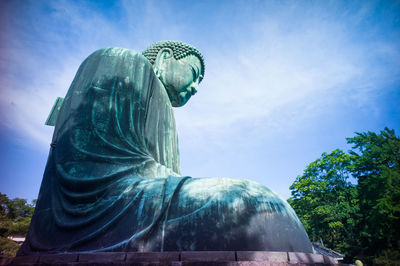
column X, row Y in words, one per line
column 112, row 179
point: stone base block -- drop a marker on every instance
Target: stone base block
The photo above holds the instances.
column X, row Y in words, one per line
column 184, row 258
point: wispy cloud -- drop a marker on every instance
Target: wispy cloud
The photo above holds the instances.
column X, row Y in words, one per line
column 297, row 69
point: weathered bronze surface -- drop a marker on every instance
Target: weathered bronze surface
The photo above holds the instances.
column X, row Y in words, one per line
column 112, row 180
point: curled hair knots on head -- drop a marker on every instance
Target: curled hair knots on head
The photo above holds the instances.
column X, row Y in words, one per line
column 179, row 49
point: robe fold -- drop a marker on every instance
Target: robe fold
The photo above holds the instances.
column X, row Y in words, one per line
column 112, row 180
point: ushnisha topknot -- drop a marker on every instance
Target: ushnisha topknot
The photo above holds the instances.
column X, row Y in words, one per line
column 179, row 49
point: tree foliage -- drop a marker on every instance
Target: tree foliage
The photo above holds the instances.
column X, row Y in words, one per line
column 326, row 201
column 15, row 217
column 360, row 220
column 377, row 168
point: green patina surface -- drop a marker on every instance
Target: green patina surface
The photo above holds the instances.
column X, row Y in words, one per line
column 112, row 181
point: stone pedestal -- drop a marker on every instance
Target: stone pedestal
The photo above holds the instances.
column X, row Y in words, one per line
column 184, row 258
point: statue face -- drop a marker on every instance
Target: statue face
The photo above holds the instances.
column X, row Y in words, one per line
column 180, row 78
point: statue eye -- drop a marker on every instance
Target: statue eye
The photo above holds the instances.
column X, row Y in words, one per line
column 194, row 73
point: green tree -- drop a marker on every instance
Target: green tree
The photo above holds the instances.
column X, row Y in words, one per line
column 358, row 220
column 326, row 202
column 15, row 217
column 376, row 162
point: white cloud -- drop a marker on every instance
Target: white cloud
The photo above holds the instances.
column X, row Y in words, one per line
column 294, row 70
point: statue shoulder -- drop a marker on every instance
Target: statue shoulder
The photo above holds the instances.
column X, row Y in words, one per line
column 118, row 52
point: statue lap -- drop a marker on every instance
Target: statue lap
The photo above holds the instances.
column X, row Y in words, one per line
column 232, row 214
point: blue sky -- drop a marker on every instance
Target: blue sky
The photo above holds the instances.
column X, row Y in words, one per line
column 285, row 80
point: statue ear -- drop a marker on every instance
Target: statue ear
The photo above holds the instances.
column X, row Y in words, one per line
column 162, row 56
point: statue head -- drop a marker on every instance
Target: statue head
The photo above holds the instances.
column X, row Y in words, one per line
column 179, row 66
